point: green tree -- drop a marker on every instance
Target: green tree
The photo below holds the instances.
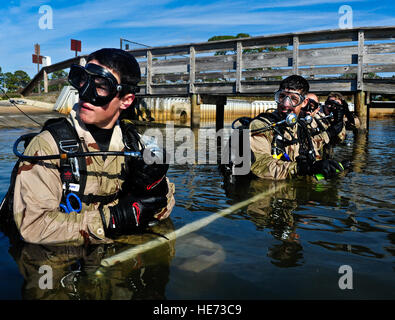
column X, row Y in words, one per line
column 1, row 78
column 226, row 37
column 60, row 74
column 16, row 81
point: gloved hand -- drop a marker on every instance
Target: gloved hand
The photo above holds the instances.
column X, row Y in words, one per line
column 133, row 214
column 337, row 123
column 338, row 113
column 329, row 168
column 303, row 166
column 144, row 179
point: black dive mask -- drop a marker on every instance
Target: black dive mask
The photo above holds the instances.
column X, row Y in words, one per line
column 95, row 84
column 331, row 106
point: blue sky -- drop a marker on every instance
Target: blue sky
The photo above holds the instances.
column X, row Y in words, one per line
column 101, row 23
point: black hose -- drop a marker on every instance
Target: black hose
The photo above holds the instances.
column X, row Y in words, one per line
column 68, row 155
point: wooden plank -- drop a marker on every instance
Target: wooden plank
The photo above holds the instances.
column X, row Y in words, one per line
column 267, row 59
column 174, row 90
column 380, row 48
column 387, row 58
column 215, row 88
column 295, row 55
column 328, row 36
column 383, row 33
column 328, row 70
column 192, row 68
column 170, row 69
column 361, row 49
column 169, row 62
column 331, row 85
column 239, row 66
column 225, row 62
column 65, row 64
column 328, row 56
column 381, row 68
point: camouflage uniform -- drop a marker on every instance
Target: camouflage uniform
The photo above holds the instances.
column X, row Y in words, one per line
column 268, row 167
column 38, row 191
column 326, row 150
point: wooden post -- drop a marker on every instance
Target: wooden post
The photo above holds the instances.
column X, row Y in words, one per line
column 361, row 109
column 195, row 112
column 361, row 49
column 149, row 72
column 360, row 105
column 45, row 76
column 191, row 70
column 239, row 61
column 295, row 55
column 219, row 113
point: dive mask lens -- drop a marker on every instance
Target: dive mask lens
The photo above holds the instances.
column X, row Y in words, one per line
column 102, row 86
column 294, row 98
column 77, row 76
column 313, row 104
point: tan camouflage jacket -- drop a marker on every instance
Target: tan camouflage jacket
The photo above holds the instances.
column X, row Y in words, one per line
column 38, row 191
column 268, row 167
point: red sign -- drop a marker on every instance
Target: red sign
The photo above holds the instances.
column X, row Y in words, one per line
column 75, row 45
column 39, row 60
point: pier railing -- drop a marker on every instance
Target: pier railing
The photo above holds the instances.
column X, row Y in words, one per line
column 341, row 60
column 345, row 60
column 332, row 60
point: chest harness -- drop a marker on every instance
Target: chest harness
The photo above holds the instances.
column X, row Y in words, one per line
column 72, row 166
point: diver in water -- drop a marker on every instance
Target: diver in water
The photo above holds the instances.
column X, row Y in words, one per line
column 281, row 142
column 343, row 119
column 99, row 196
column 319, row 124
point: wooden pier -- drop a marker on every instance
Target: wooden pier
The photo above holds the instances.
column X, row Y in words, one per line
column 341, row 60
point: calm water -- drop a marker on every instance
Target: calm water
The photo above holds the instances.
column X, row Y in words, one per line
column 286, row 246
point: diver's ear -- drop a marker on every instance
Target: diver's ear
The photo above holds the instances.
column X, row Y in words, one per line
column 127, row 100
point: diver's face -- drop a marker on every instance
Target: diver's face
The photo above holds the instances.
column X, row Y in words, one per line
column 290, row 101
column 101, row 116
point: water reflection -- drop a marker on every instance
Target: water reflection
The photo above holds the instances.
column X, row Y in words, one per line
column 265, row 250
column 73, row 269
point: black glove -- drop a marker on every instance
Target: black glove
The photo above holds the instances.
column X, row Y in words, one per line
column 144, row 179
column 133, row 214
column 337, row 123
column 329, row 168
column 303, row 166
column 338, row 114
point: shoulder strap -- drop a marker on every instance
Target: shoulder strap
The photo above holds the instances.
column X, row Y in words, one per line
column 65, row 136
column 130, row 136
